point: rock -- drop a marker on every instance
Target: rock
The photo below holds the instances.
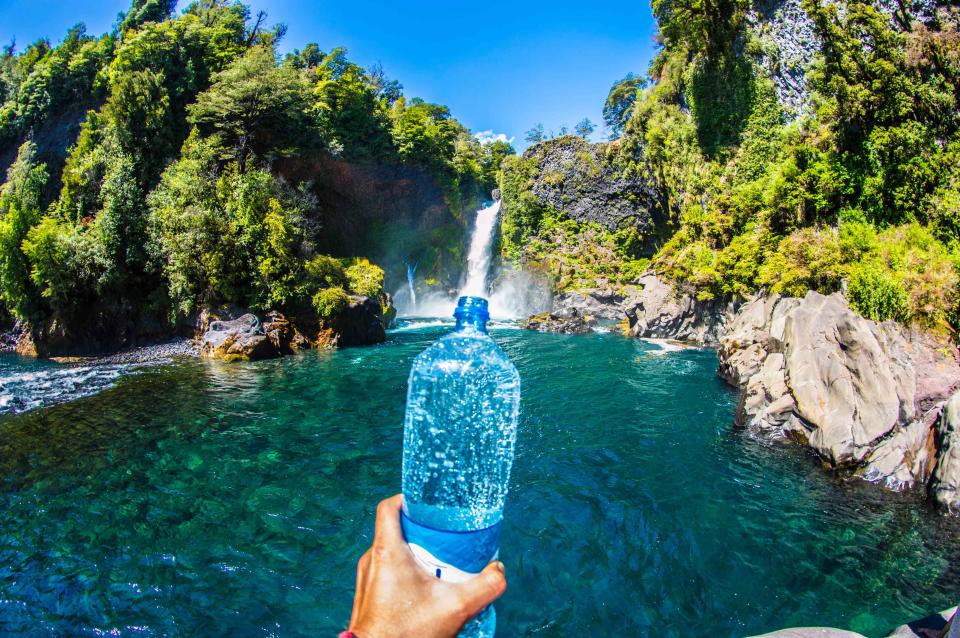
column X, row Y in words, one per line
column 945, row 485
column 933, row 626
column 569, row 322
column 842, row 378
column 281, row 333
column 658, row 310
column 360, row 324
column 25, row 346
column 865, row 396
column 906, row 458
column 389, row 315
column 241, row 339
column 745, row 343
column 811, row 632
column 603, row 306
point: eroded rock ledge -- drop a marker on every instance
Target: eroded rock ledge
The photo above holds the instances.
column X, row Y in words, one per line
column 867, row 397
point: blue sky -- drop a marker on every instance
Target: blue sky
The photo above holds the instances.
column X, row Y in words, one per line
column 500, row 65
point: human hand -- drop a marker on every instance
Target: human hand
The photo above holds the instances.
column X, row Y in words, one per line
column 397, row 598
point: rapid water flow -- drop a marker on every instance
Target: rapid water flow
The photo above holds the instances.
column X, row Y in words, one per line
column 481, row 245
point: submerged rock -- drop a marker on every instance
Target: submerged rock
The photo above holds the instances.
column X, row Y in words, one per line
column 865, row 396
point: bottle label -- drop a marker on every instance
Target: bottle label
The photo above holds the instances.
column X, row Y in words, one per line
column 451, row 556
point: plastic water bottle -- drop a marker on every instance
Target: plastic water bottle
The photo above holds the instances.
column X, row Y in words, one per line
column 458, row 442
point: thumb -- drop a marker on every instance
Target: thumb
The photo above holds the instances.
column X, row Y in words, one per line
column 484, row 588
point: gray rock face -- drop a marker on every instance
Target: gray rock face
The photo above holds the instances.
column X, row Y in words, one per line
column 945, row 486
column 864, row 396
column 657, row 310
column 575, row 177
column 790, row 42
column 241, row 339
column 791, row 45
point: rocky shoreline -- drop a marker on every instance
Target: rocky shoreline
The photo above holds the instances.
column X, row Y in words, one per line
column 875, row 401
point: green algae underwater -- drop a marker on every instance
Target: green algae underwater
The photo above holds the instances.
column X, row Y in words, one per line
column 206, row 499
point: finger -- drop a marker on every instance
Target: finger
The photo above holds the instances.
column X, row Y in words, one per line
column 362, row 567
column 484, row 588
column 388, row 532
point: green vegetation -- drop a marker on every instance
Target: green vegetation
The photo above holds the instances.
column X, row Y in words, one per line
column 573, row 255
column 859, row 193
column 169, row 197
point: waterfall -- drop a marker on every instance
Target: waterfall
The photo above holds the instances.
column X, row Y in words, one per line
column 411, row 271
column 481, row 245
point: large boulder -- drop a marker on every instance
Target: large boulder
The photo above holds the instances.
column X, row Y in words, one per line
column 865, row 396
column 843, row 378
column 361, row 323
column 658, row 310
column 242, row 339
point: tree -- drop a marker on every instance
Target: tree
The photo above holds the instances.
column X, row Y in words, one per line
column 535, row 134
column 142, row 11
column 139, row 114
column 584, row 128
column 493, row 156
column 253, row 106
column 620, row 101
column 350, row 115
column 19, row 212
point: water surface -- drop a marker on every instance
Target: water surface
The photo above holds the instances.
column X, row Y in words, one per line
column 207, row 499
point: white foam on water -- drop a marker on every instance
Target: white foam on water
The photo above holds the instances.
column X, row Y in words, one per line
column 664, row 345
column 21, row 391
column 412, row 324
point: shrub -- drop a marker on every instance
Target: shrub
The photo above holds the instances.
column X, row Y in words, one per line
column 807, row 259
column 928, row 271
column 330, row 302
column 326, row 272
column 877, row 294
column 365, row 279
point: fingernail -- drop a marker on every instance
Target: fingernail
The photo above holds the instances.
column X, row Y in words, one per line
column 502, row 568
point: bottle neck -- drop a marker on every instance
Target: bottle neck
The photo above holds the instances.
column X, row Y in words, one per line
column 471, row 322
column 471, row 314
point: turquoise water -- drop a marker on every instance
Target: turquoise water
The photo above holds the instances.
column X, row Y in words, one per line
column 205, row 499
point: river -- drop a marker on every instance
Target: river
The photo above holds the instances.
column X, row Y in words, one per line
column 206, row 499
